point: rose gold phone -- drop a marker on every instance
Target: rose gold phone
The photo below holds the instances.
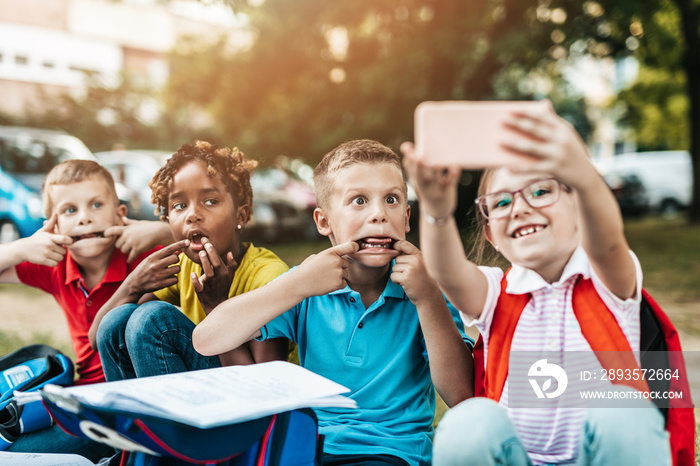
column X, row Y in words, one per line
column 466, row 133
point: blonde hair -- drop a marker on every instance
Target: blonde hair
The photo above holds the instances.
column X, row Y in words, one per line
column 231, row 165
column 349, row 153
column 74, row 171
column 479, row 243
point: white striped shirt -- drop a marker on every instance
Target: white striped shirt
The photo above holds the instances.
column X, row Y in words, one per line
column 548, row 323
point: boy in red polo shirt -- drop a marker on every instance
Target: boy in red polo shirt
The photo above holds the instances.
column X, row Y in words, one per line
column 75, row 258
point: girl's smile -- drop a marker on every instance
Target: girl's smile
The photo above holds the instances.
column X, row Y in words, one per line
column 527, row 230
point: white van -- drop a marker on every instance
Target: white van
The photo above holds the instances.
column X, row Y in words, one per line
column 667, row 176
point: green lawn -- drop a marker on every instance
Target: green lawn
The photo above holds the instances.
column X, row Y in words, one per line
column 669, row 251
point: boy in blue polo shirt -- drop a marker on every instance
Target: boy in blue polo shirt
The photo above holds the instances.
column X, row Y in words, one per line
column 364, row 313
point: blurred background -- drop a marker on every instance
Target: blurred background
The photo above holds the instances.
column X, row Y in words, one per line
column 287, row 80
column 127, row 82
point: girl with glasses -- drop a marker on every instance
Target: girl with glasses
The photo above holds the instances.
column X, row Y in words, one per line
column 555, row 220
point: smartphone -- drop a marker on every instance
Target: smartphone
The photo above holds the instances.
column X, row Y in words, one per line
column 468, row 134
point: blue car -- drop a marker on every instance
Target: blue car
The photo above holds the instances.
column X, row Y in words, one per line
column 26, row 156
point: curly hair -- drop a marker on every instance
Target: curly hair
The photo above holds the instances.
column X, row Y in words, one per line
column 231, row 165
column 357, row 151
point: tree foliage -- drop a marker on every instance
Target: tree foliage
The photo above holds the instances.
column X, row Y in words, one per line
column 323, row 72
column 664, row 35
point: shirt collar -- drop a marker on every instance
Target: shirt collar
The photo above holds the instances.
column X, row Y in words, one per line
column 522, row 280
column 116, row 270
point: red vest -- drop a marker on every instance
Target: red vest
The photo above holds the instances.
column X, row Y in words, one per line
column 602, row 332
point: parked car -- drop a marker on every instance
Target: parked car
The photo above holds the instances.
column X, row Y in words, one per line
column 291, row 197
column 629, row 192
column 26, row 156
column 132, row 171
column 667, row 176
column 276, row 220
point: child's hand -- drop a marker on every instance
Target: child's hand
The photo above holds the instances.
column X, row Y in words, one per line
column 436, row 187
column 213, row 286
column 157, row 271
column 550, row 144
column 326, row 271
column 45, row 247
column 138, row 236
column 409, row 272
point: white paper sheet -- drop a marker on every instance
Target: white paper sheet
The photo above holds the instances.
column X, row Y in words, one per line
column 42, row 459
column 214, row 397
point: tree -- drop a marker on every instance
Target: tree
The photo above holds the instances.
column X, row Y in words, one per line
column 665, row 36
column 323, row 72
column 103, row 117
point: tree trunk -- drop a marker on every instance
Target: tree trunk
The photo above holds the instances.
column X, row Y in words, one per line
column 690, row 22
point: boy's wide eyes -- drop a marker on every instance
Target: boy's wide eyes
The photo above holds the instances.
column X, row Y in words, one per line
column 179, row 206
column 390, row 199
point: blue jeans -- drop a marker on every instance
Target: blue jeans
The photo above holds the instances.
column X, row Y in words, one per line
column 54, row 440
column 479, row 431
column 154, row 338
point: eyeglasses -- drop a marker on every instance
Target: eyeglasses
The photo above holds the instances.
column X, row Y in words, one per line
column 539, row 193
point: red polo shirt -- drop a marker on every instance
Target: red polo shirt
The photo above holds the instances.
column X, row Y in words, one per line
column 79, row 304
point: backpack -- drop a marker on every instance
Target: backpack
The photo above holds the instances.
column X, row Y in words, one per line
column 285, row 439
column 29, row 369
column 600, row 329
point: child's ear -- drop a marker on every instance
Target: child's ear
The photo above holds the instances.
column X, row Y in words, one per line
column 243, row 215
column 121, row 211
column 323, row 225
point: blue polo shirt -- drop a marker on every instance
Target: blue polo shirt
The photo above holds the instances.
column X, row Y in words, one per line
column 380, row 355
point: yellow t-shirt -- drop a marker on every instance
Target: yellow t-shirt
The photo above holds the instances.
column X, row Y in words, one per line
column 258, row 267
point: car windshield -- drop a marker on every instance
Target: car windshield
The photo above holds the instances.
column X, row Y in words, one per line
column 26, row 155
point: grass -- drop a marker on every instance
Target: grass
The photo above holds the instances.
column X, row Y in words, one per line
column 670, row 257
column 10, row 341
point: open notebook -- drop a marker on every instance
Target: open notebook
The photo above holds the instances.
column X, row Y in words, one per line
column 211, row 397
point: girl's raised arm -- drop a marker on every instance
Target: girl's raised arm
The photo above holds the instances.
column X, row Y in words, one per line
column 443, row 252
column 558, row 149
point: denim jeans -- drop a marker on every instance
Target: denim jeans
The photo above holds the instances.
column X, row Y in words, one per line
column 154, row 338
column 54, row 440
column 479, row 431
